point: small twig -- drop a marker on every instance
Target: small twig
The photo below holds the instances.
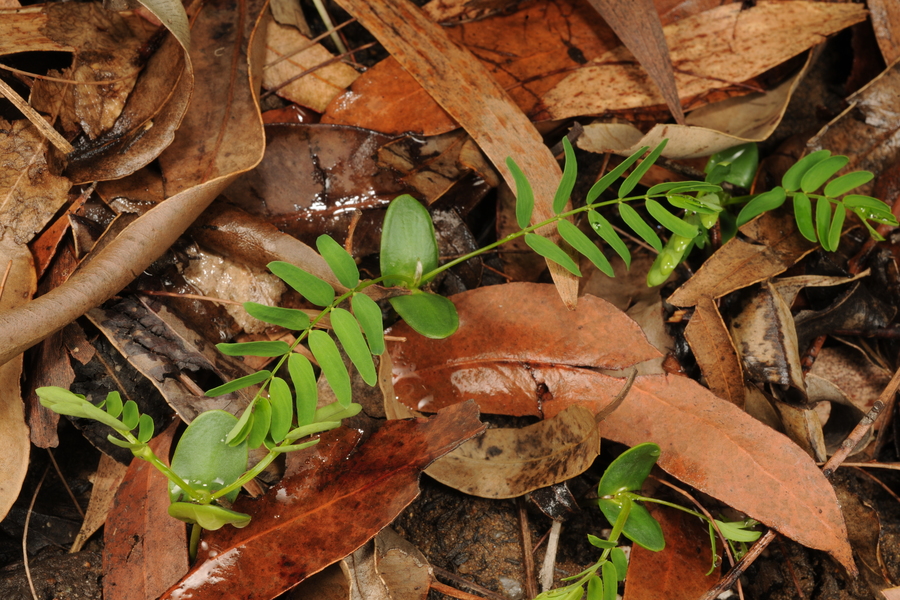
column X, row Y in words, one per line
column 732, row 576
column 332, row 60
column 549, row 567
column 191, row 297
column 620, row 397
column 453, row 592
column 637, row 241
column 482, row 591
column 53, row 136
column 65, row 483
column 859, row 432
column 525, row 533
column 25, row 534
column 790, row 566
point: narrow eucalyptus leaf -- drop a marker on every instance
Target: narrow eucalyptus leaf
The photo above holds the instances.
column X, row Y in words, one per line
column 524, row 194
column 316, row 290
column 632, row 180
column 567, row 183
column 670, row 221
column 329, row 359
column 131, row 415
column 639, row 226
column 264, row 348
column 339, row 261
column 304, row 381
column 408, row 246
column 551, row 251
column 290, row 318
column 113, row 404
column 431, row 315
column 348, row 332
column 368, row 313
column 239, row 383
column 262, row 420
column 610, row 178
column 764, row 202
column 845, row 183
column 145, row 428
column 822, row 172
column 584, row 245
column 202, row 457
column 605, row 230
column 823, row 222
column 793, row 176
column 803, row 216
column 837, row 224
column 282, row 409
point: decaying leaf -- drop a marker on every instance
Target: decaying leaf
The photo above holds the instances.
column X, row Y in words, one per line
column 506, row 463
column 144, row 550
column 106, row 481
column 387, row 568
column 715, row 352
column 323, row 513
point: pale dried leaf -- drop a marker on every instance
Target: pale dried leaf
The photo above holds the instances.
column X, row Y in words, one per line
column 715, row 352
column 105, row 480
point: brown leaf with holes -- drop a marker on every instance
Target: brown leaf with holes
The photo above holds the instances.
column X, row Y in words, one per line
column 321, row 514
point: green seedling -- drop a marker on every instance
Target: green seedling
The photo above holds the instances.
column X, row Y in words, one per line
column 209, row 464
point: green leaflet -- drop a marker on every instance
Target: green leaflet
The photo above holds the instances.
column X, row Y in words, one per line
column 632, row 180
column 431, row 315
column 524, row 195
column 113, row 404
column 735, row 165
column 609, row 235
column 763, row 203
column 567, row 183
column 329, row 359
column 610, row 580
column 368, row 313
column 793, row 176
column 408, row 246
column 207, row 516
column 339, row 261
column 289, row 318
column 259, row 423
column 618, row 558
column 822, row 172
column 607, row 180
column 282, row 408
column 637, row 224
column 845, row 183
column 131, row 415
column 551, row 251
column 304, row 380
column 823, row 221
column 239, row 384
column 803, row 216
column 312, row 288
column 145, row 430
column 265, row 348
column 629, row 471
column 641, row 528
column 584, row 245
column 834, row 230
column 670, row 221
column 348, row 332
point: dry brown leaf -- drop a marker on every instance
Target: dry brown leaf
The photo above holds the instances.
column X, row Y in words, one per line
column 885, row 16
column 803, row 426
column 144, row 549
column 315, row 90
column 715, row 352
column 466, row 90
column 387, row 568
column 105, row 480
column 506, row 463
column 714, row 49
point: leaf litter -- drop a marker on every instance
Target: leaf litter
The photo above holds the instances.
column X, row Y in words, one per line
column 519, row 370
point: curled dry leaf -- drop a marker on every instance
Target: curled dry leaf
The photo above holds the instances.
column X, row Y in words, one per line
column 506, row 463
column 387, row 568
column 323, row 513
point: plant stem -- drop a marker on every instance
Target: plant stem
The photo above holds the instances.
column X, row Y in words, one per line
column 195, row 541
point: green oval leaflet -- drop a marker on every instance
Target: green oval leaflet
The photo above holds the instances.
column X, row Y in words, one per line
column 348, row 332
column 312, row 288
column 131, row 415
column 289, row 318
column 304, row 380
column 629, row 471
column 847, row 182
column 803, row 216
column 329, row 359
column 632, row 180
column 207, row 516
column 601, row 543
column 408, row 246
column 610, row 580
column 551, row 251
column 567, row 183
column 238, row 434
column 259, row 423
column 675, row 186
column 583, row 244
column 837, row 224
column 264, row 348
column 822, row 172
column 609, row 235
column 618, row 558
column 793, row 176
column 670, row 221
column 368, row 313
column 641, row 528
column 639, row 226
column 764, row 202
column 113, row 405
column 282, row 408
column 595, row 589
column 823, row 220
column 431, row 315
column 203, row 459
column 239, row 383
column 145, row 428
column 607, row 180
column 339, row 261
column 524, row 194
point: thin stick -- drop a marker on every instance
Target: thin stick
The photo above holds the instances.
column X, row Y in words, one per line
column 25, row 534
column 549, row 567
column 191, row 297
column 728, row 580
column 525, row 533
column 335, row 59
column 132, row 75
column 65, row 483
column 36, row 119
column 308, row 45
column 873, row 465
column 453, row 592
column 444, row 573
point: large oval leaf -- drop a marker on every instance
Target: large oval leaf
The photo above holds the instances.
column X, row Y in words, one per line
column 408, row 246
column 204, row 460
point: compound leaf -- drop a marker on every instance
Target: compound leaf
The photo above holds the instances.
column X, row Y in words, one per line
column 551, row 251
column 348, row 332
column 605, row 230
column 289, row 318
column 576, row 238
column 567, row 183
column 791, row 179
column 822, row 172
column 639, row 226
column 607, row 180
column 632, row 180
column 312, row 288
column 329, row 359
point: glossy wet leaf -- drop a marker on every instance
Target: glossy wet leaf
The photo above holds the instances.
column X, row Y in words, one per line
column 551, row 251
column 567, row 183
column 763, row 203
column 822, row 172
column 264, row 348
column 670, row 221
column 329, row 359
column 639, row 226
column 348, row 332
column 408, row 246
column 282, row 408
column 635, row 177
column 208, row 516
column 609, row 235
column 289, row 318
column 429, row 314
column 368, row 313
column 792, row 178
column 610, row 178
column 239, row 383
column 803, row 216
column 339, row 260
column 312, row 288
column 202, row 457
column 578, row 240
column 524, row 194
column 628, row 472
column 847, row 182
column 304, row 381
column 307, row 516
column 641, row 528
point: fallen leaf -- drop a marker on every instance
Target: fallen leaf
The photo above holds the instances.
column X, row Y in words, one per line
column 144, row 549
column 679, row 571
column 105, row 481
column 466, row 90
column 318, row 516
column 715, row 353
column 885, row 17
column 387, row 568
column 506, row 463
column 865, row 526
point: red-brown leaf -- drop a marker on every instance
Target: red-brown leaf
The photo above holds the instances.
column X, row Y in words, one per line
column 320, row 515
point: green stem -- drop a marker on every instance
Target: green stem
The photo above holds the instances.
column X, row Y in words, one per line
column 195, row 541
column 247, row 476
column 146, row 453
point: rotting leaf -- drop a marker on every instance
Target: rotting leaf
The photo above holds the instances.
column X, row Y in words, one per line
column 304, row 517
column 505, row 463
